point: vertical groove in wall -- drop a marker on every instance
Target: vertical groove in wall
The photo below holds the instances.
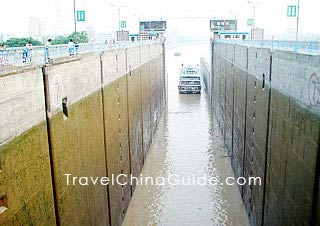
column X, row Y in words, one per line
column 267, row 143
column 165, row 92
column 245, row 120
column 150, row 62
column 233, row 74
column 286, row 133
column 53, row 178
column 316, row 187
column 71, row 210
column 225, row 102
column 219, row 98
column 141, row 108
column 212, row 76
column 104, row 137
column 127, row 86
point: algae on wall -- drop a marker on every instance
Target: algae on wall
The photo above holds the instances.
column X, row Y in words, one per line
column 25, row 173
column 275, row 129
column 90, row 123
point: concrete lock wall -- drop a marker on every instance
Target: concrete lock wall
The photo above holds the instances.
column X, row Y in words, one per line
column 25, row 177
column 146, row 98
column 115, row 97
column 268, row 107
column 77, row 137
column 205, row 71
column 87, row 116
column 135, row 115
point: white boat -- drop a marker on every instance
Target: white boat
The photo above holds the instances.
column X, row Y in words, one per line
column 190, row 80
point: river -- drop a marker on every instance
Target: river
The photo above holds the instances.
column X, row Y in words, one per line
column 187, row 144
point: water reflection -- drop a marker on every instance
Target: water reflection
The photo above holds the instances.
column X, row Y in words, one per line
column 187, row 143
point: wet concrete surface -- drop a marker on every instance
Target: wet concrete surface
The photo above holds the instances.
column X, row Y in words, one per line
column 187, row 143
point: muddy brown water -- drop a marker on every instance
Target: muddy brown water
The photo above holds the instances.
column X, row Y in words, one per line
column 187, row 144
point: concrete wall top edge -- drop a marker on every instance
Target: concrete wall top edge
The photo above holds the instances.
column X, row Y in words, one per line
column 8, row 70
column 205, row 64
column 133, row 58
column 116, row 50
column 22, row 103
column 241, row 56
column 230, row 49
column 64, row 60
column 312, row 60
column 72, row 80
column 114, row 65
column 149, row 52
column 67, row 59
column 259, row 63
column 145, row 54
column 298, row 77
column 152, row 50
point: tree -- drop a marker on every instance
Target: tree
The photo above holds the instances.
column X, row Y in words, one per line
column 60, row 40
column 20, row 42
column 82, row 37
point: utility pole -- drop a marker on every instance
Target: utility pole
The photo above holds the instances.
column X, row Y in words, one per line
column 75, row 19
column 254, row 19
column 119, row 18
column 297, row 30
column 254, row 3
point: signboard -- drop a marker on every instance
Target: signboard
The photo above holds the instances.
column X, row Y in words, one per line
column 292, row 11
column 250, row 22
column 81, row 15
column 141, row 29
column 123, row 24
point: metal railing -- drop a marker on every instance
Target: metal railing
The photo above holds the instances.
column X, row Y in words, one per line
column 300, row 47
column 41, row 54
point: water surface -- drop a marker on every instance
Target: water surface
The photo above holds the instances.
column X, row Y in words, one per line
column 189, row 144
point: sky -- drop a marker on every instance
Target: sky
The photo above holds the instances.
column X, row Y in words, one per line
column 270, row 15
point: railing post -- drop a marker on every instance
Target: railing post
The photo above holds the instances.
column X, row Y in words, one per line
column 310, row 47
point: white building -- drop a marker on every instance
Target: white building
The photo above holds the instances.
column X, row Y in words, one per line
column 57, row 23
column 105, row 37
column 91, row 34
column 36, row 28
column 5, row 37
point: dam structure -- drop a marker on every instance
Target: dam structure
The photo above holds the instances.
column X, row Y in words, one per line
column 70, row 127
column 91, row 115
